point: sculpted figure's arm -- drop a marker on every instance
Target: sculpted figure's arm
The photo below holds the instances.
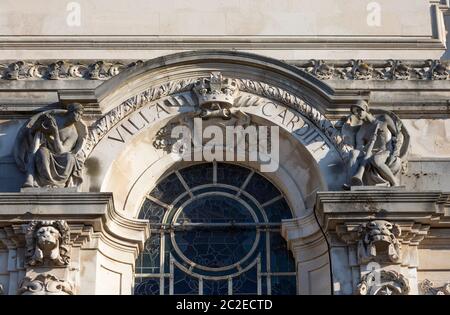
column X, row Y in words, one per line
column 397, row 139
column 54, row 131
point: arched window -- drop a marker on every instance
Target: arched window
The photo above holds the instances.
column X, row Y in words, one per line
column 215, row 230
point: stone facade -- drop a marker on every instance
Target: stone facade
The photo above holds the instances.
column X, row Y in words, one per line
column 87, row 112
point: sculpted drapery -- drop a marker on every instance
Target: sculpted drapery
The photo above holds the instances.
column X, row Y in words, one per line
column 47, row 145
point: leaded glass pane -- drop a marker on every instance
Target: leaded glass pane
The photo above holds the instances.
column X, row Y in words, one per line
column 278, row 210
column 281, row 257
column 261, row 189
column 198, row 175
column 146, row 286
column 213, row 233
column 151, row 211
column 231, row 174
column 168, row 189
column 183, row 283
column 148, row 261
column 215, row 209
column 284, row 285
column 217, row 247
column 246, row 283
column 215, row 287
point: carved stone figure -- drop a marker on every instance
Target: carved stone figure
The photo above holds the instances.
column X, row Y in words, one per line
column 47, row 243
column 427, row 288
column 47, row 145
column 45, row 284
column 378, row 142
column 383, row 283
column 379, row 237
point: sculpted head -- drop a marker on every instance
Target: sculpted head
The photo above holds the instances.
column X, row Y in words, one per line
column 47, row 243
column 47, row 238
column 75, row 111
column 381, row 230
column 360, row 109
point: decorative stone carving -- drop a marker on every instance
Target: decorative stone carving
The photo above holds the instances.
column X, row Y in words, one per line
column 216, row 97
column 164, row 141
column 102, row 126
column 45, row 284
column 387, row 70
column 47, row 243
column 439, row 71
column 361, row 70
column 320, row 69
column 379, row 144
column 427, row 288
column 47, row 145
column 57, row 70
column 378, row 237
column 344, row 70
column 383, row 283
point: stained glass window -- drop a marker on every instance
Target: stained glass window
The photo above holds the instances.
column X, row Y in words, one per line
column 216, row 230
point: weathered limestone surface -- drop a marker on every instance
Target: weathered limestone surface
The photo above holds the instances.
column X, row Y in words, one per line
column 92, row 241
column 290, row 30
column 73, row 177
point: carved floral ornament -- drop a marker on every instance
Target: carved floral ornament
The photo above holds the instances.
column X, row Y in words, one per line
column 47, row 243
column 388, row 70
column 45, row 284
column 59, row 70
column 427, row 288
column 324, row 70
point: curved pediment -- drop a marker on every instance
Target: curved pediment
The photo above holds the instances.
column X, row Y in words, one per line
column 151, row 81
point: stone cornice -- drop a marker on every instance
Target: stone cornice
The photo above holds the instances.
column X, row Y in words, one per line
column 101, row 70
column 91, row 42
column 94, row 209
column 429, row 208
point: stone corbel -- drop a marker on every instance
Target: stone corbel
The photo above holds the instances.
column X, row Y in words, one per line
column 382, row 241
column 98, row 240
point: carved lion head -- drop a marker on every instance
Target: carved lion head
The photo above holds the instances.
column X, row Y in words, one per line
column 47, row 243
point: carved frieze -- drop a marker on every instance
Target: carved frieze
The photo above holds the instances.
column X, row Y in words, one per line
column 320, row 69
column 323, row 70
column 47, row 243
column 45, row 284
column 60, row 69
column 381, row 71
column 383, row 283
